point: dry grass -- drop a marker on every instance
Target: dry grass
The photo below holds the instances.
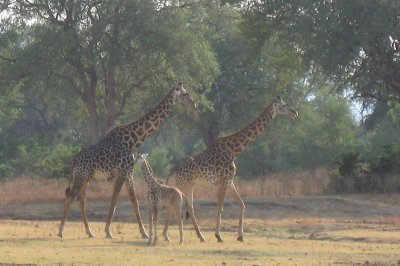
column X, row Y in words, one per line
column 295, row 184
column 35, row 243
column 34, row 189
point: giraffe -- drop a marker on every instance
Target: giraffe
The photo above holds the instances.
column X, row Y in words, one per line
column 216, row 165
column 160, row 195
column 112, row 158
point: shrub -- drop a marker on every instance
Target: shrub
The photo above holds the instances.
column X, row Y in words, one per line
column 6, row 171
column 355, row 174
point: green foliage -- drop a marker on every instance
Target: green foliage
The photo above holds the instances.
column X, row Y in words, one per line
column 58, row 160
column 348, row 163
column 6, row 171
column 357, row 174
column 355, row 42
column 160, row 161
column 388, row 162
column 67, row 77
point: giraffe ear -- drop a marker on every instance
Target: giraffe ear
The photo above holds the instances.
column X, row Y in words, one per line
column 279, row 98
column 177, row 91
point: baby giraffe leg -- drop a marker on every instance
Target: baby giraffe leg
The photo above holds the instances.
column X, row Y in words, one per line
column 179, row 221
column 155, row 220
column 167, row 217
column 151, row 236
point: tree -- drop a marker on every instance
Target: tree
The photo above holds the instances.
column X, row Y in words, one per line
column 105, row 51
column 248, row 81
column 355, row 43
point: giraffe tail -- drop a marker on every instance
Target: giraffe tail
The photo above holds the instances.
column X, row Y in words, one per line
column 185, row 207
column 70, row 181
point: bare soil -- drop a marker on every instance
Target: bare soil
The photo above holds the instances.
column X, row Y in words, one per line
column 306, row 230
column 362, row 208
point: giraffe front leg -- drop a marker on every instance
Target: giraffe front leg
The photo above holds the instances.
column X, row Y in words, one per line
column 135, row 205
column 117, row 189
column 220, row 208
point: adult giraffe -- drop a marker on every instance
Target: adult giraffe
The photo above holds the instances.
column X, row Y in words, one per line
column 111, row 158
column 216, row 164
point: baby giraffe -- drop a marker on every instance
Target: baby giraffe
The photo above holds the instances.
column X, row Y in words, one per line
column 160, row 195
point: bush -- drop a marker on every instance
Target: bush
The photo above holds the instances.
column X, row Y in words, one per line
column 58, row 161
column 6, row 171
column 348, row 163
column 355, row 174
column 159, row 160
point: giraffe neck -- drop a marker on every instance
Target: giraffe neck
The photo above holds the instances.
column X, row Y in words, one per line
column 240, row 140
column 149, row 177
column 143, row 128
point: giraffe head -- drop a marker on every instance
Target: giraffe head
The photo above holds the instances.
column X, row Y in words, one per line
column 141, row 157
column 280, row 107
column 181, row 95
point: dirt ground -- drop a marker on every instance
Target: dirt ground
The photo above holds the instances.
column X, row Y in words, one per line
column 357, row 208
column 308, row 230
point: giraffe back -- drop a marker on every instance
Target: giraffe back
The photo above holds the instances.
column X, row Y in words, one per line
column 101, row 161
column 208, row 166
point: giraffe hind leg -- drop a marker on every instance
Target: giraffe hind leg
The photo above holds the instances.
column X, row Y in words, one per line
column 188, row 191
column 240, row 203
column 220, row 208
column 135, row 205
column 117, row 189
column 82, row 200
column 70, row 195
column 167, row 217
column 155, row 221
column 67, row 205
column 179, row 221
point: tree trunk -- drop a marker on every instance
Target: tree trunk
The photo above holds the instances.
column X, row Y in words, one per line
column 110, row 90
column 210, row 130
column 94, row 125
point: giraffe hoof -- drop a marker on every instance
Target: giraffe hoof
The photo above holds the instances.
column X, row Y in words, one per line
column 219, row 238
column 60, row 235
column 240, row 238
column 109, row 236
column 145, row 236
column 201, row 237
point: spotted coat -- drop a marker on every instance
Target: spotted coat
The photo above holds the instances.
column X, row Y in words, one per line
column 111, row 158
column 216, row 164
column 160, row 195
